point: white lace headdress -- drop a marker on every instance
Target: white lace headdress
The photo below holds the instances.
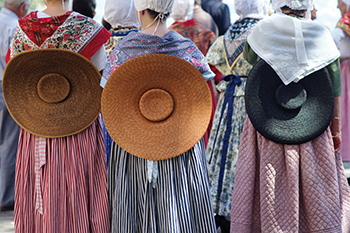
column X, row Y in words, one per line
column 181, row 9
column 120, row 13
column 160, row 6
column 292, row 4
column 257, row 9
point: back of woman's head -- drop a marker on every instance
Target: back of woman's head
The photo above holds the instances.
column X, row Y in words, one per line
column 292, row 4
column 252, row 8
column 181, row 9
column 120, row 13
column 14, row 4
column 160, row 6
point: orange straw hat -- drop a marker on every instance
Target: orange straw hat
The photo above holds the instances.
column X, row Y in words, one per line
column 52, row 93
column 156, row 106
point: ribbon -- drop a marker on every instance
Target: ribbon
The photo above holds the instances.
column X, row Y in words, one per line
column 228, row 100
column 299, row 42
column 40, row 161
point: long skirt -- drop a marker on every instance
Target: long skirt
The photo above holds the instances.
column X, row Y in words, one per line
column 68, row 192
column 221, row 162
column 178, row 201
column 289, row 188
column 345, row 110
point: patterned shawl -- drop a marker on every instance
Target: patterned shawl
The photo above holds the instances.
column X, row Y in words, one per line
column 344, row 24
column 172, row 43
column 235, row 37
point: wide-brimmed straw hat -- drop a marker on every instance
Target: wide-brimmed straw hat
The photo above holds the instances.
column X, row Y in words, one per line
column 52, row 93
column 292, row 114
column 156, row 106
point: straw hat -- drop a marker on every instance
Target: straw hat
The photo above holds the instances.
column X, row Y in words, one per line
column 52, row 93
column 156, row 106
column 292, row 114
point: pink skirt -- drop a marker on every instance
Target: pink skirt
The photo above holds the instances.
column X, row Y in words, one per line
column 289, row 188
column 345, row 110
column 72, row 184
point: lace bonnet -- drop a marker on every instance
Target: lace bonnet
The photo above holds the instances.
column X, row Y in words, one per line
column 120, row 13
column 252, row 8
column 347, row 2
column 160, row 6
column 292, row 4
column 181, row 9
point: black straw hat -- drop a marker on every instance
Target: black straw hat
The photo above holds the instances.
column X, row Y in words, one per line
column 292, row 114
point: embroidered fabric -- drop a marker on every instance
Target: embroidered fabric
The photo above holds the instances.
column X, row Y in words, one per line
column 290, row 51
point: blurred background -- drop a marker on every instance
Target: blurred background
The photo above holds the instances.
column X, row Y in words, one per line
column 327, row 12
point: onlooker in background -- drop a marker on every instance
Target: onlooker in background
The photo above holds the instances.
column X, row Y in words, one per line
column 85, row 7
column 204, row 17
column 9, row 130
column 222, row 151
column 220, row 13
column 203, row 37
column 341, row 36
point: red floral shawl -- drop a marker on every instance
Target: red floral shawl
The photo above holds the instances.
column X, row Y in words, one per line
column 71, row 31
column 344, row 24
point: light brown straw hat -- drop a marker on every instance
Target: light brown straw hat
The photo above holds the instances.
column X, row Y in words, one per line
column 156, row 106
column 52, row 93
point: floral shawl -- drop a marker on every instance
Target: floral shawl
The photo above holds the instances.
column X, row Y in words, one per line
column 71, row 31
column 197, row 32
column 344, row 24
column 137, row 44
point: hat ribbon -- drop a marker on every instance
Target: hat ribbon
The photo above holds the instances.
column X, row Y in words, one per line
column 299, row 42
column 228, row 101
column 40, row 161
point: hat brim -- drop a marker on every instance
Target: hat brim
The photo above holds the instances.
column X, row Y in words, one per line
column 167, row 138
column 288, row 126
column 52, row 120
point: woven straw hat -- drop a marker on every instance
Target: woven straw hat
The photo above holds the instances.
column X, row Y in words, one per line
column 292, row 114
column 156, row 106
column 52, row 93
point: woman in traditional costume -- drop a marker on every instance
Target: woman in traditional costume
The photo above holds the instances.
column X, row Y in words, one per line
column 341, row 36
column 61, row 188
column 289, row 175
column 226, row 54
column 170, row 195
column 203, row 37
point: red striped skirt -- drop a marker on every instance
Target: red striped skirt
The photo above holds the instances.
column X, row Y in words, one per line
column 72, row 184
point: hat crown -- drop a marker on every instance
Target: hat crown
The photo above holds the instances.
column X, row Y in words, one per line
column 53, row 88
column 292, row 96
column 156, row 105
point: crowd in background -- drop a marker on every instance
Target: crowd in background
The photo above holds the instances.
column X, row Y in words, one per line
column 271, row 155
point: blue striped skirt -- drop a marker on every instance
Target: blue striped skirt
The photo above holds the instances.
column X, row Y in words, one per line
column 178, row 202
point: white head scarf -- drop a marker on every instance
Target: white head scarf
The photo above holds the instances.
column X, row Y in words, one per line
column 292, row 4
column 120, row 13
column 160, row 6
column 180, row 9
column 257, row 9
column 347, row 2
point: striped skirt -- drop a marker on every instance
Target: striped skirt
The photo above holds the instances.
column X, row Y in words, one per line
column 179, row 202
column 68, row 193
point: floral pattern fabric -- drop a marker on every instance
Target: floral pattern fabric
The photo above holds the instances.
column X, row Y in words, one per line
column 220, row 53
column 71, row 31
column 344, row 24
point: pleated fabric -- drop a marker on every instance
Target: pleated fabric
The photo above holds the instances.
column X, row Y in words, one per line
column 72, row 182
column 178, row 203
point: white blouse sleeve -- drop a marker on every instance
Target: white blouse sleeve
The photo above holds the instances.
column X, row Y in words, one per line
column 99, row 59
